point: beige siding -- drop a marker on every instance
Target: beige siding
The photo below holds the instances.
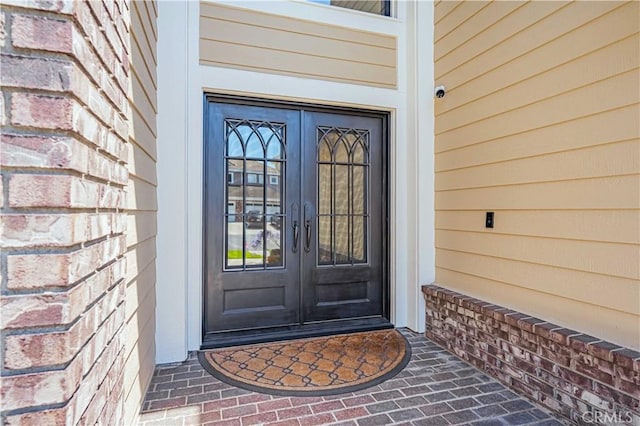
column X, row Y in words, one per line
column 541, row 125
column 139, row 330
column 256, row 41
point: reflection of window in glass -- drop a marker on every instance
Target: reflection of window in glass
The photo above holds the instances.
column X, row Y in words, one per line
column 273, row 180
column 231, row 210
column 230, row 177
column 255, row 179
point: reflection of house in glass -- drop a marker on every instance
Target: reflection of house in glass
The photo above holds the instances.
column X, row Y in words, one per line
column 255, row 187
column 256, row 181
column 253, row 191
column 255, row 158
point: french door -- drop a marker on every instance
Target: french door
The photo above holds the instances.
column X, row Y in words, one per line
column 295, row 221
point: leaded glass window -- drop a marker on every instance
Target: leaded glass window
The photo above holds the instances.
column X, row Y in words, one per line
column 343, row 180
column 255, row 166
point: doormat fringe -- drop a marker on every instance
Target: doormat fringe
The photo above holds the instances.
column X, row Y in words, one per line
column 311, row 367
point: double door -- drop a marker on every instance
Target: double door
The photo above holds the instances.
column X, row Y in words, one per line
column 295, row 221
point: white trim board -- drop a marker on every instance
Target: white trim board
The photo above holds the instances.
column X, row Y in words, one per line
column 182, row 81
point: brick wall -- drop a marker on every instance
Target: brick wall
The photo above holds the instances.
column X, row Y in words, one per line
column 64, row 154
column 580, row 377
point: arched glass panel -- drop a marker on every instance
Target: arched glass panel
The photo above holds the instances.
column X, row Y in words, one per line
column 341, row 152
column 234, row 144
column 254, row 145
column 358, row 153
column 269, row 133
column 324, row 152
column 275, row 150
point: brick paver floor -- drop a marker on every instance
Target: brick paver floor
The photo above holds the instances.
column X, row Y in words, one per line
column 436, row 388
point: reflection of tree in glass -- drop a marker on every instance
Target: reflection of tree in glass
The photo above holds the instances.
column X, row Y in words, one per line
column 259, row 240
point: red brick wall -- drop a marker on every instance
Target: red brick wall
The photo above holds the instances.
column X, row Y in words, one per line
column 582, row 378
column 65, row 78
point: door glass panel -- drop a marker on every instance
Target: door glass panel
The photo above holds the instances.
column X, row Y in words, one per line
column 275, row 192
column 255, row 248
column 358, row 190
column 324, row 240
column 341, row 248
column 274, row 150
column 341, row 191
column 234, row 145
column 234, row 243
column 234, row 185
column 324, row 152
column 358, row 154
column 359, row 243
column 324, row 189
column 234, row 221
column 268, row 134
column 255, row 194
column 254, row 186
column 254, row 149
column 342, row 195
column 341, row 153
column 273, row 240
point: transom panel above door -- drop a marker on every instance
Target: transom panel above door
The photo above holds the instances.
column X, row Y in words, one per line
column 295, row 221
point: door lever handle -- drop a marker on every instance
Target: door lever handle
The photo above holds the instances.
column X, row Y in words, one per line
column 296, row 227
column 296, row 235
column 307, row 226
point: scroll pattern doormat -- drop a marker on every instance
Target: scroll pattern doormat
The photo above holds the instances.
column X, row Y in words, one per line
column 311, row 367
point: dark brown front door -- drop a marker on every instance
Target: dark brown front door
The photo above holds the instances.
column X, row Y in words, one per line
column 295, row 221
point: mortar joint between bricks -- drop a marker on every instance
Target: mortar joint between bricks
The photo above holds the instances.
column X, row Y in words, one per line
column 40, row 171
column 4, row 274
column 57, row 250
column 35, row 91
column 29, row 131
column 57, row 210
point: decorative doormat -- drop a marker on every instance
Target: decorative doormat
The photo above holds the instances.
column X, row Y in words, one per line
column 311, row 367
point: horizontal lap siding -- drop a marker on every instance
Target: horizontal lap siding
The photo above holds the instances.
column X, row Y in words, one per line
column 256, row 41
column 540, row 124
column 139, row 332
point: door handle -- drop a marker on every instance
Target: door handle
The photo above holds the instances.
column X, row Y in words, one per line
column 307, row 227
column 296, row 227
column 296, row 235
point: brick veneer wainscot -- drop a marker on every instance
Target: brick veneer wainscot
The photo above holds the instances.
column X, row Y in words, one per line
column 573, row 374
column 63, row 151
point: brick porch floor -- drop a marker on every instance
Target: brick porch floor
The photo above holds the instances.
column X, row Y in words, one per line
column 436, row 388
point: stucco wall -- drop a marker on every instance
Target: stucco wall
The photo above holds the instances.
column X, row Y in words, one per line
column 540, row 125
